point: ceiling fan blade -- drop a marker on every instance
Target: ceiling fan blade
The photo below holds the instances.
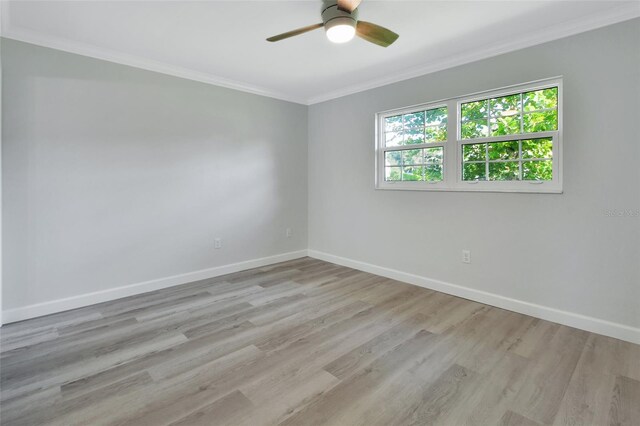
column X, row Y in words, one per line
column 295, row 32
column 375, row 33
column 348, row 5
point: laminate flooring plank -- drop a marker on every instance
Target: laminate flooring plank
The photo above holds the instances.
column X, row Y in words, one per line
column 224, row 410
column 358, row 358
column 588, row 396
column 335, row 404
column 514, row 419
column 439, row 399
column 625, row 402
column 552, row 367
column 308, row 342
column 43, row 377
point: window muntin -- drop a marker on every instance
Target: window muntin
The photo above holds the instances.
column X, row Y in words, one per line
column 512, row 142
column 413, row 142
column 422, row 164
column 523, row 159
column 525, row 112
column 416, row 127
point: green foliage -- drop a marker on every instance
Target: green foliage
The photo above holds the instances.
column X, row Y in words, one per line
column 474, row 129
column 413, row 135
column 393, row 174
column 504, row 171
column 529, row 112
column 504, row 150
column 475, row 110
column 473, row 171
column 540, row 121
column 537, row 170
column 412, row 157
column 501, row 126
column 393, row 158
column 537, row 148
column 540, row 99
column 433, row 173
column 415, row 119
column 506, row 106
column 436, row 116
column 433, row 155
column 503, row 159
column 393, row 124
column 414, row 164
column 412, row 172
column 475, row 152
column 436, row 133
column 416, row 128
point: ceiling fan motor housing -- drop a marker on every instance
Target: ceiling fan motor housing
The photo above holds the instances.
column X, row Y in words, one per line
column 332, row 16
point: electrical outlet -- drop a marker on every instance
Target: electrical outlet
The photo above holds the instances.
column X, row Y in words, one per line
column 289, row 233
column 217, row 243
column 466, row 256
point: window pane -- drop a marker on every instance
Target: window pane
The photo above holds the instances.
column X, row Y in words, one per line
column 414, row 136
column 436, row 133
column 473, row 171
column 540, row 99
column 393, row 158
column 414, row 119
column 436, row 116
column 537, row 170
column 506, row 117
column 392, row 124
column 504, row 171
column 474, row 110
column 412, row 173
column 393, row 173
column 537, row 148
column 433, row 155
column 505, row 125
column 540, row 121
column 412, row 156
column 504, row 150
column 474, row 129
column 433, row 173
column 408, row 129
column 506, row 106
column 393, row 138
column 475, row 152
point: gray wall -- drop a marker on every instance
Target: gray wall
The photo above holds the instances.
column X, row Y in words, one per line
column 560, row 251
column 114, row 175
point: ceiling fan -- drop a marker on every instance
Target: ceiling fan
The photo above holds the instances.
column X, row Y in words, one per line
column 340, row 21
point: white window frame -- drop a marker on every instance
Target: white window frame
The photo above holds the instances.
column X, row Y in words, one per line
column 382, row 149
column 452, row 147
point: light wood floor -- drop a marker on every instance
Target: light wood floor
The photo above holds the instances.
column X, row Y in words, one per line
column 307, row 343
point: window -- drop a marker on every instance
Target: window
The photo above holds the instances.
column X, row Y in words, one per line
column 503, row 140
column 413, row 145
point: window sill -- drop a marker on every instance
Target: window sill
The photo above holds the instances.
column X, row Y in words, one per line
column 549, row 188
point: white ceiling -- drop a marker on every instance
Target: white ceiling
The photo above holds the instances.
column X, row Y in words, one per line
column 223, row 42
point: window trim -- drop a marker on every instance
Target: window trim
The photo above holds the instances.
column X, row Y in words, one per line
column 452, row 147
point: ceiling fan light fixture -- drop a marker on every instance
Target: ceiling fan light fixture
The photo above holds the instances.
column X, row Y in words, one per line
column 341, row 24
column 340, row 30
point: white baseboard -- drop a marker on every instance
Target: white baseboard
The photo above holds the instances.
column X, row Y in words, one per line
column 60, row 305
column 583, row 322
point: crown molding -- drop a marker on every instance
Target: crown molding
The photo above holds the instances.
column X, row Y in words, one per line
column 555, row 32
column 7, row 31
column 629, row 11
column 145, row 64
